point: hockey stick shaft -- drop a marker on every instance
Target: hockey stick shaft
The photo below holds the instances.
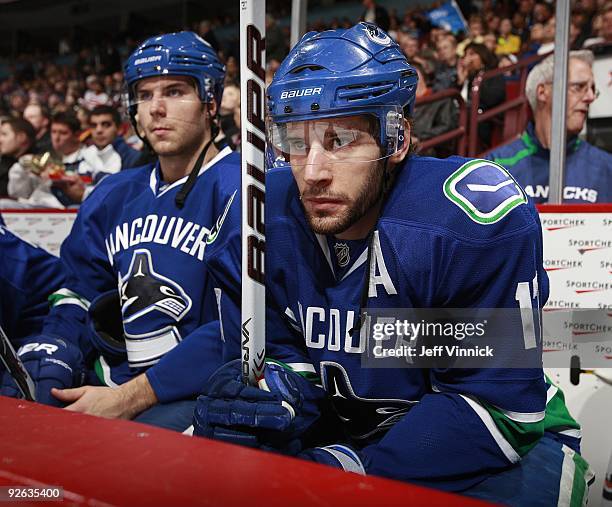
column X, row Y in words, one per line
column 252, row 119
column 15, row 367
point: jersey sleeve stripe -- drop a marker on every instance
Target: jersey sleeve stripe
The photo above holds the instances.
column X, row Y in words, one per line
column 497, row 435
column 575, row 477
column 103, row 372
column 522, row 417
column 67, row 297
column 302, row 367
column 550, row 393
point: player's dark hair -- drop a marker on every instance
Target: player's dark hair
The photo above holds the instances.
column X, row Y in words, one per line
column 68, row 119
column 110, row 110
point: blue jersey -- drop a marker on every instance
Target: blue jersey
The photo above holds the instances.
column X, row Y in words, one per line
column 453, row 233
column 28, row 275
column 130, row 239
column 588, row 170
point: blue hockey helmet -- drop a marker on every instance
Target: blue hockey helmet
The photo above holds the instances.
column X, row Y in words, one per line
column 178, row 54
column 344, row 72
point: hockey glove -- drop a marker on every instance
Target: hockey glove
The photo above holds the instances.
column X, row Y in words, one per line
column 337, row 455
column 274, row 416
column 51, row 362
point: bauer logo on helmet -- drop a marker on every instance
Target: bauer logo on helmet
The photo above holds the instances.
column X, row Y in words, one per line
column 302, row 92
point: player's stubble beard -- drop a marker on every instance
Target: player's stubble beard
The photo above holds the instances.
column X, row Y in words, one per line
column 367, row 197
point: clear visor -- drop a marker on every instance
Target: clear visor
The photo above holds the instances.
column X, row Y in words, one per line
column 161, row 104
column 354, row 136
column 159, row 92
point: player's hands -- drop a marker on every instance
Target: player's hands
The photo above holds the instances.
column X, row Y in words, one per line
column 274, row 415
column 51, row 362
column 93, row 400
column 123, row 402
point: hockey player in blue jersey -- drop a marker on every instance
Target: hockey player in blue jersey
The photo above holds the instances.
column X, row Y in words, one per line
column 357, row 223
column 28, row 276
column 139, row 292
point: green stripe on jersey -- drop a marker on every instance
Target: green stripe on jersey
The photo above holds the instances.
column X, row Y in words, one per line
column 522, row 436
column 63, row 296
column 557, row 416
column 308, row 375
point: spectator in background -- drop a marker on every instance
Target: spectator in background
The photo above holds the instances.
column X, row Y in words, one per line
column 232, row 70
column 520, row 26
column 548, row 37
column 17, row 138
column 542, row 12
column 476, row 31
column 445, row 71
column 276, row 42
column 433, row 118
column 39, row 118
column 507, row 42
column 376, row 14
column 44, row 191
column 409, row 46
column 489, row 39
column 206, row 32
column 229, row 118
column 95, row 95
column 109, row 153
column 476, row 61
column 535, row 40
column 493, row 21
column 605, row 33
column 588, row 170
column 17, row 103
column 525, row 11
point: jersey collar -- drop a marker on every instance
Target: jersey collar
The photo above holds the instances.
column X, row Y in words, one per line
column 159, row 188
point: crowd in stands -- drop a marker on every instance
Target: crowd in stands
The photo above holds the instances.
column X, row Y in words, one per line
column 49, row 107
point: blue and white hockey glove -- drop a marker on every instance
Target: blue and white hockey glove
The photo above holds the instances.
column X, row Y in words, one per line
column 51, row 362
column 337, row 455
column 274, row 416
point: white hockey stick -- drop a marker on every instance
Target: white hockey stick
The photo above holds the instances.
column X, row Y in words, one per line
column 253, row 135
column 15, row 367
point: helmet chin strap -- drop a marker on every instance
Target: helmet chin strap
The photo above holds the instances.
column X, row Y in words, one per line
column 182, row 194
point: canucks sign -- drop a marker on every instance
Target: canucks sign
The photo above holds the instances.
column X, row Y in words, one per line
column 484, row 190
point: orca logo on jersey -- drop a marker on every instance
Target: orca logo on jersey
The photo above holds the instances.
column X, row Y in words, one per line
column 484, row 191
column 143, row 290
column 362, row 417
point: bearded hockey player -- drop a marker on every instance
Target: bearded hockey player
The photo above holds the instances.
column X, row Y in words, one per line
column 358, row 223
column 139, row 292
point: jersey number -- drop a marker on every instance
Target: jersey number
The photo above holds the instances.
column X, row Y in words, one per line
column 529, row 318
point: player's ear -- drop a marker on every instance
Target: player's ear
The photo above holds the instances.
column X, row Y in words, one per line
column 401, row 154
column 212, row 108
